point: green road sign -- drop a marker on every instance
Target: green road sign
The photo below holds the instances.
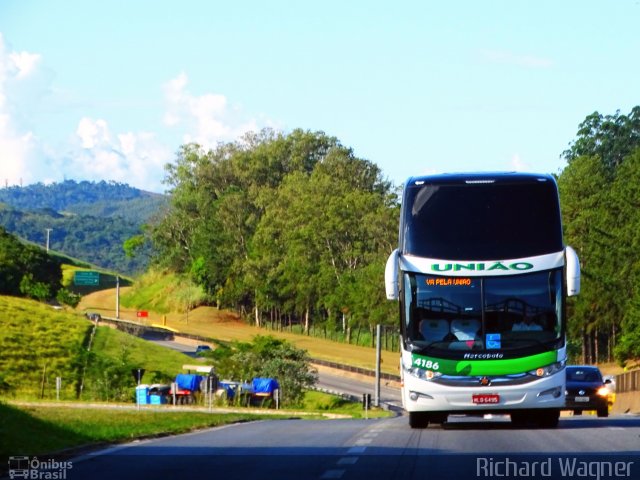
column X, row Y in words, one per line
column 86, row 278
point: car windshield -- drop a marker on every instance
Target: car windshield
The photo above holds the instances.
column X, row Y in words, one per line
column 590, row 375
column 489, row 313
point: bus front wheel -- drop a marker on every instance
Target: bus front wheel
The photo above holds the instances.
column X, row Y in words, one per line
column 418, row 419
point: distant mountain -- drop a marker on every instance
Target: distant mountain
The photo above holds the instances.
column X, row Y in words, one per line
column 98, row 199
column 86, row 220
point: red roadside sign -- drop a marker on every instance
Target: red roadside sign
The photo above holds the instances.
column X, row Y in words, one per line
column 142, row 313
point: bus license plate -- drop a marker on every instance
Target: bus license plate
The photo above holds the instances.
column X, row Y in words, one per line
column 485, row 398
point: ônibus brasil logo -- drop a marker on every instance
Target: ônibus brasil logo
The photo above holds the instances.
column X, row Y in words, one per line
column 480, row 267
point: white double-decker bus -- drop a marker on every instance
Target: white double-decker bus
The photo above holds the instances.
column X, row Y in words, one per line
column 481, row 274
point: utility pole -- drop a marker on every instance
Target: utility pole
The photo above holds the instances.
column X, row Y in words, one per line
column 48, row 232
column 378, row 352
column 117, row 297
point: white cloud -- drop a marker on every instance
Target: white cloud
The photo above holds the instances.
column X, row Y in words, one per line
column 134, row 158
column 24, row 62
column 92, row 133
column 205, row 119
column 18, row 146
column 518, row 164
column 98, row 150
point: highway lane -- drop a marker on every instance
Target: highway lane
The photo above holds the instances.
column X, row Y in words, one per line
column 356, row 385
column 379, row 449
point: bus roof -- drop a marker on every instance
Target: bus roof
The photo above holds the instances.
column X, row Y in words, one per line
column 480, row 177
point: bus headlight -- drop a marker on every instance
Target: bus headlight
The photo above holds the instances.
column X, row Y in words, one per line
column 422, row 374
column 548, row 370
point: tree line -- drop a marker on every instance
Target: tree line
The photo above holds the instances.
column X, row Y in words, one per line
column 600, row 199
column 285, row 228
column 295, row 229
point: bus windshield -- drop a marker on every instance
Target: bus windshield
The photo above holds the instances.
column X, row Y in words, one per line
column 481, row 222
column 493, row 314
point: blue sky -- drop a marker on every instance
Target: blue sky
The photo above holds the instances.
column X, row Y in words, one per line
column 110, row 90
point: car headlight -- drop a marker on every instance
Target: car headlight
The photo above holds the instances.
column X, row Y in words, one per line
column 548, row 370
column 603, row 391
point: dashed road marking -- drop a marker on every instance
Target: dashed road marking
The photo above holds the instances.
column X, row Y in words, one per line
column 363, row 441
column 355, row 450
column 333, row 474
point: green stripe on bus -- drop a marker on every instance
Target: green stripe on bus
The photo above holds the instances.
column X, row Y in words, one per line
column 477, row 367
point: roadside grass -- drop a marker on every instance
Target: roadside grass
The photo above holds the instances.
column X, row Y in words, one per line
column 225, row 326
column 35, row 430
column 38, row 429
column 163, row 293
column 38, row 343
column 161, row 364
column 325, row 403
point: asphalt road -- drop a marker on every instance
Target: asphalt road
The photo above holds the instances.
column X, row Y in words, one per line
column 597, row 448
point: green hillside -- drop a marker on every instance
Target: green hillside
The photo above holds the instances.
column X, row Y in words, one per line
column 86, row 220
column 38, row 344
column 96, row 199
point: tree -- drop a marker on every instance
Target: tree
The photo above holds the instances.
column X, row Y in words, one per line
column 269, row 357
column 612, row 138
column 27, row 270
column 272, row 224
column 599, row 192
column 624, row 210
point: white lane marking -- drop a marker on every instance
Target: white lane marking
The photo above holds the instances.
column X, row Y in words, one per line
column 348, row 460
column 333, row 474
column 363, row 441
column 354, row 450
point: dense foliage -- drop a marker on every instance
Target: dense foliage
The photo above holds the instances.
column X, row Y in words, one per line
column 99, row 241
column 600, row 196
column 268, row 357
column 26, row 270
column 295, row 228
column 288, row 227
column 100, row 223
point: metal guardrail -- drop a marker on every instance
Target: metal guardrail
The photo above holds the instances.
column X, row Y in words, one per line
column 628, row 381
column 359, row 370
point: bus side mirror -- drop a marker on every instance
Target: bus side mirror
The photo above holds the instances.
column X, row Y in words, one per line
column 572, row 266
column 391, row 276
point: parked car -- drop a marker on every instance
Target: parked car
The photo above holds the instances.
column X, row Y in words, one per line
column 586, row 390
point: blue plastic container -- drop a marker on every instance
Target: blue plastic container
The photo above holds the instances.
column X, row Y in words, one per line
column 157, row 399
column 142, row 394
